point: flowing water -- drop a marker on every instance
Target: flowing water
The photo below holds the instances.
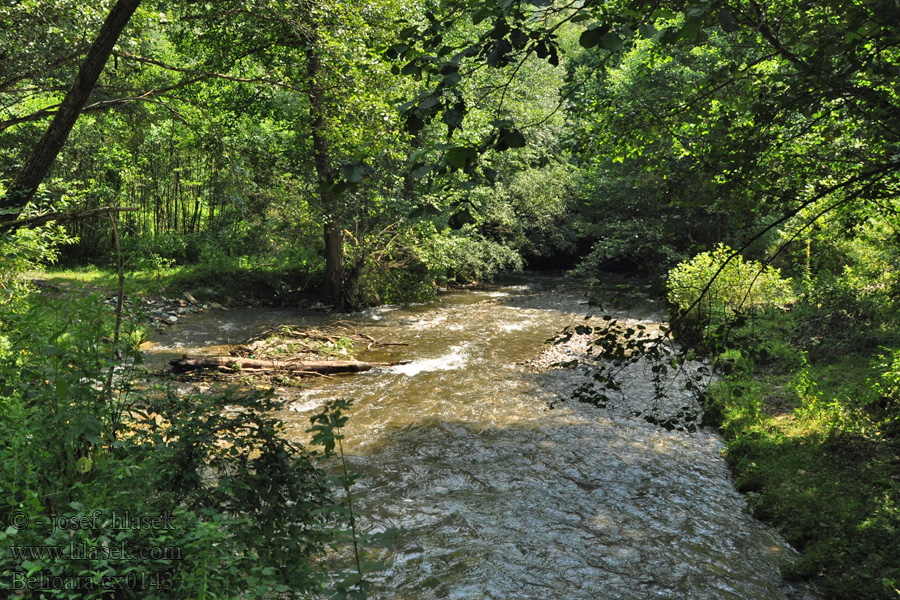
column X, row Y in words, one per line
column 496, row 495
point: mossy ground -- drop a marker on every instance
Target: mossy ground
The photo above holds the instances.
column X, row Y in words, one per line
column 817, row 459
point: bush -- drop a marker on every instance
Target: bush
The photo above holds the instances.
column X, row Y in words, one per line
column 716, row 285
column 240, row 511
column 465, row 257
column 22, row 251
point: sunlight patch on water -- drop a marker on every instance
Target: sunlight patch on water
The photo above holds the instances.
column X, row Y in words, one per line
column 308, row 406
column 427, row 323
column 518, row 326
column 455, row 359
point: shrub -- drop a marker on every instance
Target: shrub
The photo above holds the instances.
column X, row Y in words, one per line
column 26, row 249
column 719, row 284
column 465, row 257
column 240, row 511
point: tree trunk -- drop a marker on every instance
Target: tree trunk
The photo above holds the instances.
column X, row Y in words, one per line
column 334, row 239
column 334, row 263
column 26, row 183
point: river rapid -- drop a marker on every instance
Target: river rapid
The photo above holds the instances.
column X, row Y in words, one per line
column 493, row 493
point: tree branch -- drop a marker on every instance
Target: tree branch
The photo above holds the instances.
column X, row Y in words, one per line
column 75, row 215
column 207, row 74
column 99, row 105
column 26, row 183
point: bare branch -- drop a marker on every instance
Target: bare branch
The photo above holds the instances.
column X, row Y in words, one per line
column 76, row 215
column 208, row 74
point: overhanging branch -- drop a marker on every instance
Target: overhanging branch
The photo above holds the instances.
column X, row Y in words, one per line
column 75, row 215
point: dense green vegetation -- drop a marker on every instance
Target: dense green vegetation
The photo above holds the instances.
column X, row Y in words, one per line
column 363, row 152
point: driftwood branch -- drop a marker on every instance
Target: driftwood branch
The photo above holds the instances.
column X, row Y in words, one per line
column 233, row 363
column 75, row 215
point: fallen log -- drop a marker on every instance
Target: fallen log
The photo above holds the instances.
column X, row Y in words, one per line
column 234, row 363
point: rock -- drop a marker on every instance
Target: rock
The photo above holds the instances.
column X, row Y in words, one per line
column 173, row 319
column 189, row 298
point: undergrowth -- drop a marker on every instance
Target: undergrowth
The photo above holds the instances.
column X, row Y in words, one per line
column 813, row 440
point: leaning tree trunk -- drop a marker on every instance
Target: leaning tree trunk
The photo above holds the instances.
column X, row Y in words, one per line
column 24, row 186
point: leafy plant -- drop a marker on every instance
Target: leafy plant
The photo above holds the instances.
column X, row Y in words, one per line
column 714, row 286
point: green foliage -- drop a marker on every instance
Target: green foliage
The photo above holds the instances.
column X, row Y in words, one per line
column 23, row 251
column 885, row 405
column 809, row 468
column 237, row 463
column 719, row 284
column 235, row 509
column 622, row 212
column 469, row 258
column 813, row 444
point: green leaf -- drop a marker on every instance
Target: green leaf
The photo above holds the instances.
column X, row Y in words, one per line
column 352, row 173
column 727, row 20
column 501, row 28
column 590, row 37
column 429, row 103
column 613, row 42
column 62, row 388
column 690, row 29
column 480, row 15
column 518, row 38
column 497, row 55
column 662, row 13
column 458, row 156
column 695, row 11
column 84, row 465
column 453, row 117
column 413, row 123
column 513, row 139
column 451, row 79
column 422, row 171
column 411, row 68
column 553, row 59
column 647, row 30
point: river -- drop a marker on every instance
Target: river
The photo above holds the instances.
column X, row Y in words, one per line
column 493, row 493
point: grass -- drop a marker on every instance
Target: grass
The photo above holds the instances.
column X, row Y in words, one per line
column 227, row 282
column 817, row 461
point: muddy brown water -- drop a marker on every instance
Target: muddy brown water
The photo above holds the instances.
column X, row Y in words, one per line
column 495, row 495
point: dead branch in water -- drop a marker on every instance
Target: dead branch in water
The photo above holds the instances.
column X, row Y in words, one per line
column 235, row 364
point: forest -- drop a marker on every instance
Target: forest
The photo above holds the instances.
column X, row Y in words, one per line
column 740, row 157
